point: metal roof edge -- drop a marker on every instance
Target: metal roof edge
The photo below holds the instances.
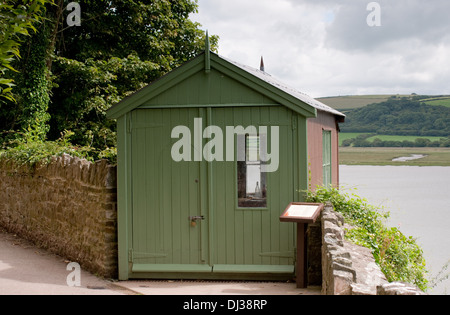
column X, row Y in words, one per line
column 270, row 90
column 302, row 97
column 256, row 79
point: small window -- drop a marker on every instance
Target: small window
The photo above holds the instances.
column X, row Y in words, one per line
column 252, row 191
column 326, row 158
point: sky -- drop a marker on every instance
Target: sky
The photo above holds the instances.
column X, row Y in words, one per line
column 341, row 47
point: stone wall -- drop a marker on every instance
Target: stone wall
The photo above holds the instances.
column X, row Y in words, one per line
column 314, row 233
column 68, row 206
column 348, row 269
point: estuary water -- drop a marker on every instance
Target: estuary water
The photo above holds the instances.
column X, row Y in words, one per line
column 418, row 199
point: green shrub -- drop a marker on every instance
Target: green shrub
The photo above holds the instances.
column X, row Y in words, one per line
column 399, row 257
column 30, row 149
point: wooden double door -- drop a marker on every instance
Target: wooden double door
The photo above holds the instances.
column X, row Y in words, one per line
column 195, row 218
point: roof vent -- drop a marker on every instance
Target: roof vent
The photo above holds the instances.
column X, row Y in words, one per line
column 207, row 54
column 261, row 67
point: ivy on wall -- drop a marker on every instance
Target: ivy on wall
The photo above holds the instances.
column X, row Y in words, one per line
column 33, row 90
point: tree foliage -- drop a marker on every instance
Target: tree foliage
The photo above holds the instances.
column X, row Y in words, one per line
column 403, row 117
column 361, row 141
column 33, row 85
column 120, row 47
column 17, row 18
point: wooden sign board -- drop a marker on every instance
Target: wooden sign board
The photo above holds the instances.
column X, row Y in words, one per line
column 302, row 212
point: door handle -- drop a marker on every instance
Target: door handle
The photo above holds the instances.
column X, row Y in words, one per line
column 196, row 218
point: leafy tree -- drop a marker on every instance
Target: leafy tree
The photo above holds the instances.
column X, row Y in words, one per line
column 120, row 46
column 17, row 18
column 400, row 117
column 33, row 90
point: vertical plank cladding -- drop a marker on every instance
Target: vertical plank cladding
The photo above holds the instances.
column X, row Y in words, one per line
column 324, row 121
column 165, row 193
column 221, row 89
column 246, row 236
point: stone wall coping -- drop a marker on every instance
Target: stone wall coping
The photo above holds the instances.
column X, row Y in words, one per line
column 349, row 269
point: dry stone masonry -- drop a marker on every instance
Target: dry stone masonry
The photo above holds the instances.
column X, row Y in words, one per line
column 68, row 206
column 348, row 269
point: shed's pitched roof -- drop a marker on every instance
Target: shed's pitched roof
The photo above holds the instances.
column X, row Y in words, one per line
column 285, row 88
column 254, row 78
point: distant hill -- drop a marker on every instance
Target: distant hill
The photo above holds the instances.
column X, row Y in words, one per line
column 401, row 116
column 350, row 102
column 343, row 103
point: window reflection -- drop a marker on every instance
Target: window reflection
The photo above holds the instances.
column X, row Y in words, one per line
column 252, row 191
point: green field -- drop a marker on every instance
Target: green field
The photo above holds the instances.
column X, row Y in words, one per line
column 353, row 101
column 438, row 102
column 350, row 102
column 384, row 156
column 347, row 135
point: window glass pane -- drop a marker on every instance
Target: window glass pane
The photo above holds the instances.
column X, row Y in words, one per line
column 326, row 157
column 252, row 192
column 252, row 148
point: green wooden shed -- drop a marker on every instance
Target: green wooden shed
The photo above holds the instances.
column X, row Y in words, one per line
column 197, row 197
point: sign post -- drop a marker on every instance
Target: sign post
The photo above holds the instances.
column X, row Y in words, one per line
column 302, row 214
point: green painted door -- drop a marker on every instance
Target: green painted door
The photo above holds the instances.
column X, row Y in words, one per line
column 165, row 194
column 247, row 235
column 240, row 233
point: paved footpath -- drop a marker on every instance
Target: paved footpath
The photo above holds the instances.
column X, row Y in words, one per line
column 28, row 270
column 205, row 288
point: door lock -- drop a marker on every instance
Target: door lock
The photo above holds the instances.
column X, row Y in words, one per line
column 194, row 219
column 197, row 218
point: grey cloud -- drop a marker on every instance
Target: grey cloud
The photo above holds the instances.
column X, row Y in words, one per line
column 400, row 20
column 325, row 47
